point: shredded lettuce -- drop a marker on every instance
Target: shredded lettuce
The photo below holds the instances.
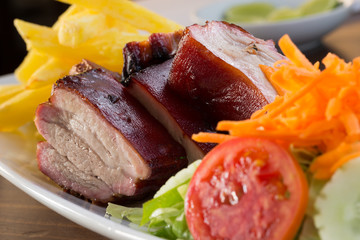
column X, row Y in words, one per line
column 179, row 179
column 166, row 200
column 309, row 231
column 163, row 215
column 305, row 157
column 169, row 223
column 133, row 214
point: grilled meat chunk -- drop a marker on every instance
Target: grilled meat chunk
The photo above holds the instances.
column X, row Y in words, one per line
column 101, row 142
column 217, row 66
column 180, row 117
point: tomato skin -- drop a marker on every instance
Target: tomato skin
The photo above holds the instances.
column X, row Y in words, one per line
column 246, row 188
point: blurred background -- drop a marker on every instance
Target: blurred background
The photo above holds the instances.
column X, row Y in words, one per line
column 12, row 47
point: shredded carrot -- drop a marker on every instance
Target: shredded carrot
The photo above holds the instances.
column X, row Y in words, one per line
column 211, row 137
column 293, row 53
column 316, row 108
column 268, row 71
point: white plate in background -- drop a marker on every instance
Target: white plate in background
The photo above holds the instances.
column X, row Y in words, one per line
column 306, row 32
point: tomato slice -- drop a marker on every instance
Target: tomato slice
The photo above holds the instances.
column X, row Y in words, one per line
column 246, row 188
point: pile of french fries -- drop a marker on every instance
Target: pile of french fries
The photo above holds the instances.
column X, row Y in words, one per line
column 96, row 30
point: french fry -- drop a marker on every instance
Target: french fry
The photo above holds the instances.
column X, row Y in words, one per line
column 120, row 25
column 74, row 30
column 20, row 108
column 8, row 91
column 50, row 72
column 106, row 47
column 45, row 40
column 72, row 10
column 130, row 12
column 30, row 31
column 110, row 44
column 32, row 61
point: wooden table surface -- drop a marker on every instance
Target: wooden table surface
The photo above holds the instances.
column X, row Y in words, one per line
column 21, row 217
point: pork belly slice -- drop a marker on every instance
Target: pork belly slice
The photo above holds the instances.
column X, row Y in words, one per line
column 101, row 142
column 65, row 173
column 180, row 117
column 157, row 49
column 217, row 65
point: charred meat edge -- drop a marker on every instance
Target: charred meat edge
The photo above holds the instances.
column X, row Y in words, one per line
column 157, row 49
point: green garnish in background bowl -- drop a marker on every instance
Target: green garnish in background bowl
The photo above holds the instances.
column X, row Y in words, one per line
column 266, row 12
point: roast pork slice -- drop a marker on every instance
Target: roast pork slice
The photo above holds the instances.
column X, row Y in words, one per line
column 101, row 142
column 157, row 49
column 180, row 117
column 66, row 173
column 217, row 65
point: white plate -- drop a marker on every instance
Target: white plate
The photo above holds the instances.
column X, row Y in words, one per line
column 18, row 165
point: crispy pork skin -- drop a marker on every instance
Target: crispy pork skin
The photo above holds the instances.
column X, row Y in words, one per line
column 180, row 117
column 158, row 48
column 217, row 65
column 101, row 142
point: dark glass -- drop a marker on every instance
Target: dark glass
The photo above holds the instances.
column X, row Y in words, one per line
column 12, row 47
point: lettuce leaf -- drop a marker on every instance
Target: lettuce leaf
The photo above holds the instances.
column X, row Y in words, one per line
column 163, row 215
column 133, row 214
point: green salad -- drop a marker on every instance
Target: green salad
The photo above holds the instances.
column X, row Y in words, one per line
column 163, row 215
